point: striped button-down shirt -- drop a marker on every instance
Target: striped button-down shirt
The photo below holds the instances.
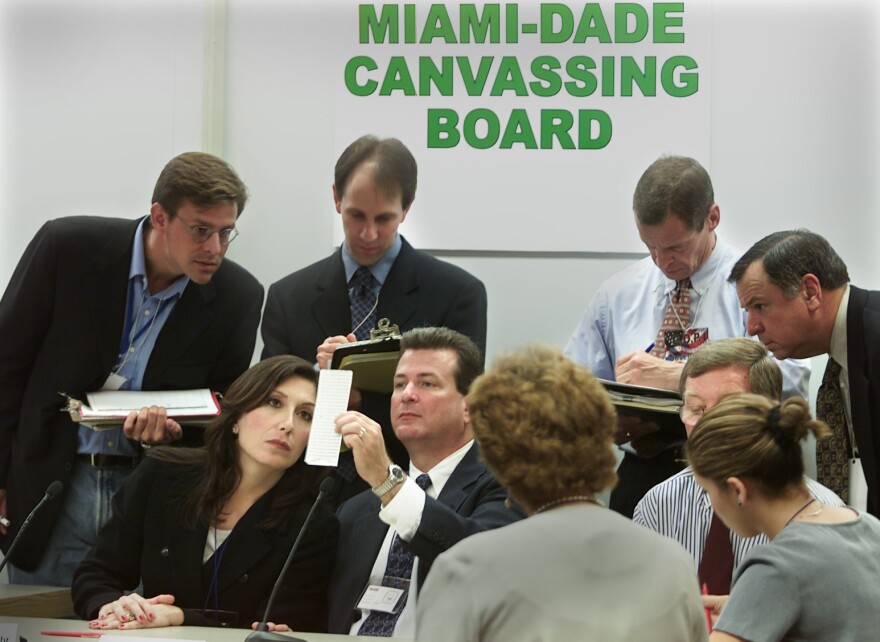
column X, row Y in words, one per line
column 679, row 508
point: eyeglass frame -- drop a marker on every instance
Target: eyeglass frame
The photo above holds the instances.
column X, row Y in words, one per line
column 203, row 237
column 687, row 413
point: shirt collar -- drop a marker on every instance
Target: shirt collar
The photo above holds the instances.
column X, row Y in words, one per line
column 379, row 269
column 838, row 333
column 138, row 269
column 441, row 473
column 701, row 279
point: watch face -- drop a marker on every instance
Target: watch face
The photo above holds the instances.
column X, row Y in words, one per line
column 395, row 472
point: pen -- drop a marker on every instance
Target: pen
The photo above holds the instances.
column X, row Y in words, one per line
column 74, row 634
column 649, row 348
column 707, row 609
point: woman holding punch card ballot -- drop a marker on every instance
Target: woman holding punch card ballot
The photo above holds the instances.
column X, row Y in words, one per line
column 207, row 531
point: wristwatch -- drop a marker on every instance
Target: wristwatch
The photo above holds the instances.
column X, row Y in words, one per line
column 395, row 477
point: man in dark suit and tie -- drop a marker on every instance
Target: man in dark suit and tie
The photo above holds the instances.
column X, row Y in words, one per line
column 103, row 303
column 796, row 291
column 391, row 534
column 375, row 274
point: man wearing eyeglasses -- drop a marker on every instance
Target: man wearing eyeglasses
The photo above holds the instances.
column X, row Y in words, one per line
column 678, row 507
column 644, row 322
column 102, row 303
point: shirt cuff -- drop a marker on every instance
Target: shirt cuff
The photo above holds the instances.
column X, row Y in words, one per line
column 404, row 512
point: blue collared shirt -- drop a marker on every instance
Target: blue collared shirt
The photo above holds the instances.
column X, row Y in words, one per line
column 145, row 315
column 379, row 269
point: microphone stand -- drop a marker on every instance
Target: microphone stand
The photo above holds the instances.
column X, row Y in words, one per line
column 262, row 633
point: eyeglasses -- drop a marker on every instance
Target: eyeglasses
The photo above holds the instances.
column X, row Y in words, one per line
column 689, row 414
column 202, row 233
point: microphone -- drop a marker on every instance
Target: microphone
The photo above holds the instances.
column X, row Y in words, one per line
column 52, row 492
column 262, row 634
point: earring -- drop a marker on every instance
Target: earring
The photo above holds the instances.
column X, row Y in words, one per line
column 739, row 502
column 235, row 429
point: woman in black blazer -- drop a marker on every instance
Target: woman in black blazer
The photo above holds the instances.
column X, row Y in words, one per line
column 206, row 531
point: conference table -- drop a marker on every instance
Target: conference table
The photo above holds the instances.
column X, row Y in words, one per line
column 30, row 629
column 44, row 608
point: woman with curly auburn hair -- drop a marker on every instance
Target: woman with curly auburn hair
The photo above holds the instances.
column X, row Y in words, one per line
column 817, row 577
column 206, row 531
column 573, row 570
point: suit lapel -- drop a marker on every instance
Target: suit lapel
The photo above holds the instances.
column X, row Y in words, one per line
column 247, row 545
column 109, row 292
column 186, row 323
column 395, row 302
column 859, row 383
column 331, row 305
column 456, row 489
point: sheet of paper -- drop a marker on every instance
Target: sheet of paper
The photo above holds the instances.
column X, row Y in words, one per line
column 179, row 403
column 334, row 387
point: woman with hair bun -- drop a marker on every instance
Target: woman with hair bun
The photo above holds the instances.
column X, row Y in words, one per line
column 817, row 578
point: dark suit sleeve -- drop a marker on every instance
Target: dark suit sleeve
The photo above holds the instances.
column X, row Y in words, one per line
column 442, row 527
column 25, row 313
column 236, row 356
column 274, row 326
column 113, row 566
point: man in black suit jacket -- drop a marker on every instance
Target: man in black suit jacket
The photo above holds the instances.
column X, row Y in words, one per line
column 796, row 291
column 309, row 313
column 109, row 303
column 460, row 498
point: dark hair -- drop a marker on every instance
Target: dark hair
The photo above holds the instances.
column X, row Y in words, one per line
column 788, row 256
column 202, row 179
column 765, row 377
column 395, row 167
column 545, row 426
column 674, row 186
column 469, row 364
column 751, row 437
column 219, row 458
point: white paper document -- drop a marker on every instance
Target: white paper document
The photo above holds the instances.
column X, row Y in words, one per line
column 178, row 403
column 334, row 387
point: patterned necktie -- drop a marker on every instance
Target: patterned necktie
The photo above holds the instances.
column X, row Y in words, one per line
column 677, row 316
column 397, row 575
column 832, row 453
column 363, row 291
column 716, row 565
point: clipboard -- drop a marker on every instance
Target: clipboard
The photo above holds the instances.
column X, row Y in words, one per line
column 372, row 362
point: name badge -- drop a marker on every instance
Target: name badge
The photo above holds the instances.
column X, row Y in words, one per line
column 382, row 598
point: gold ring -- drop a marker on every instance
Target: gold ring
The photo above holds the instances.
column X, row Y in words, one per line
column 362, row 433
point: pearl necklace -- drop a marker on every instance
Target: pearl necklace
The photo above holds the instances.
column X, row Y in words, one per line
column 569, row 500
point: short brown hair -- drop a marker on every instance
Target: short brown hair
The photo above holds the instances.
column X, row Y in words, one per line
column 765, row 377
column 469, row 362
column 674, row 186
column 396, row 169
column 545, row 426
column 749, row 436
column 202, row 179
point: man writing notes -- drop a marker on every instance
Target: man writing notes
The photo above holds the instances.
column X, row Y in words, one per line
column 390, row 535
column 796, row 291
column 678, row 507
column 644, row 322
column 102, row 303
column 375, row 274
